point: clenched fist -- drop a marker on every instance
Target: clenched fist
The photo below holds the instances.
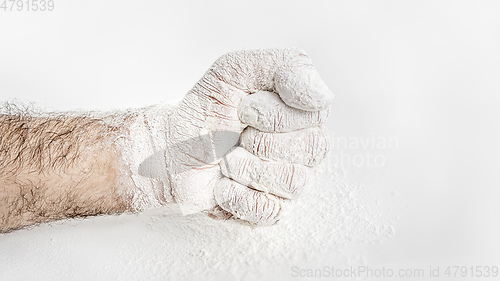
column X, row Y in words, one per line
column 244, row 138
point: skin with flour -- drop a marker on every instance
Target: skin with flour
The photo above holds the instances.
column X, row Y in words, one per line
column 241, row 142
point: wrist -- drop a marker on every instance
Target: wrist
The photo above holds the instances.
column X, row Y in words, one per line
column 142, row 167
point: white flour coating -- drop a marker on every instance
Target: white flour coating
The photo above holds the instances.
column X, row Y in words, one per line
column 143, row 167
column 307, row 146
column 211, row 108
column 283, row 179
column 172, row 154
column 267, row 112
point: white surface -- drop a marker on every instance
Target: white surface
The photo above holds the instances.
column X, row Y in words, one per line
column 424, row 73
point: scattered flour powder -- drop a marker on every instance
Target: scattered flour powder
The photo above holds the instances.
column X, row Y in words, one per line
column 331, row 217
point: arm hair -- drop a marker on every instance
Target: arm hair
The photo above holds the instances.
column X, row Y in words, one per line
column 56, row 165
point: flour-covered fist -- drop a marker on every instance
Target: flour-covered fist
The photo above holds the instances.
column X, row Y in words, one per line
column 269, row 167
column 246, row 136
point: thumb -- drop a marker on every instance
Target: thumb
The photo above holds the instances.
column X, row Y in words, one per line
column 299, row 85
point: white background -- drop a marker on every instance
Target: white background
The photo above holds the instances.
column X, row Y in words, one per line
column 425, row 72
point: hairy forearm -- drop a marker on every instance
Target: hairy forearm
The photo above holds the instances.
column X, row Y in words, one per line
column 56, row 166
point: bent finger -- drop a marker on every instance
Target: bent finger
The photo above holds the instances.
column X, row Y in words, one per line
column 285, row 180
column 307, row 146
column 268, row 113
column 247, row 204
